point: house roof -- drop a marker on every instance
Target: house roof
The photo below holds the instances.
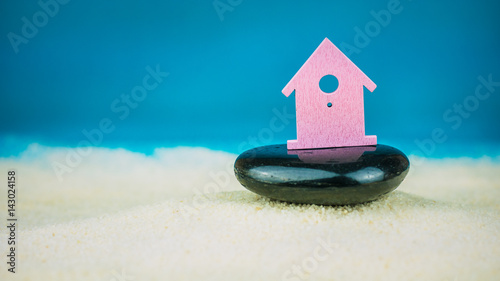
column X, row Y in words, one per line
column 326, row 56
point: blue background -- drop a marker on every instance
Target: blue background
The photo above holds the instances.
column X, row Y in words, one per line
column 227, row 71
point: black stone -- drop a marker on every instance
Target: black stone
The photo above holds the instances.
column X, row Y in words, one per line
column 329, row 176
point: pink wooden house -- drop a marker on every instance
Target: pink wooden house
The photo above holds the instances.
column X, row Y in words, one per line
column 329, row 119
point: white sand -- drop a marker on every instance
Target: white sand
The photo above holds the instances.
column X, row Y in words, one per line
column 125, row 216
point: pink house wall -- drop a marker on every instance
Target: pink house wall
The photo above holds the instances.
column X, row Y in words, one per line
column 342, row 124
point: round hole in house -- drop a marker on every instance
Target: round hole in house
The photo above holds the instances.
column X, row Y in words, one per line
column 329, row 104
column 328, row 84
